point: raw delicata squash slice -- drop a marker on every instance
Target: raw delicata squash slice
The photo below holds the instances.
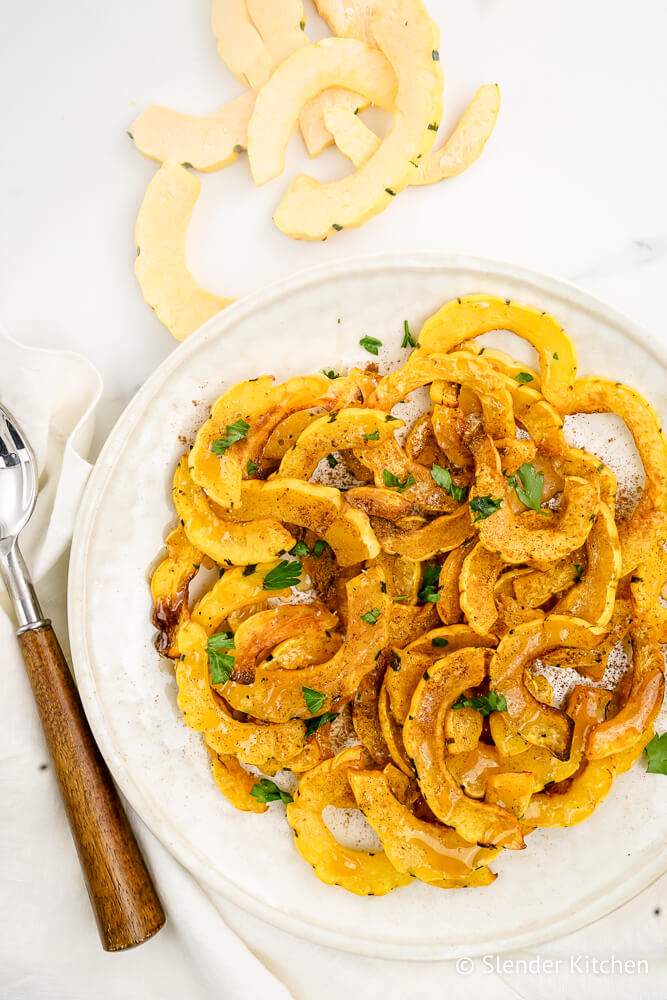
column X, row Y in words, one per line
column 409, row 40
column 161, row 266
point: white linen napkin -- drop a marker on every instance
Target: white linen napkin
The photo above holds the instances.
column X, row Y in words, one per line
column 209, row 947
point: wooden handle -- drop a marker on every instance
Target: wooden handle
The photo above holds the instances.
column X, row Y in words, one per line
column 124, row 899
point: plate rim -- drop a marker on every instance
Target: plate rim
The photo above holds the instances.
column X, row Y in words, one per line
column 157, row 821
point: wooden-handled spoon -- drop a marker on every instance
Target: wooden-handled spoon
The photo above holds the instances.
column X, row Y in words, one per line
column 124, row 899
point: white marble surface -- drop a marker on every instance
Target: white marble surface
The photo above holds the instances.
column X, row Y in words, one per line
column 573, row 182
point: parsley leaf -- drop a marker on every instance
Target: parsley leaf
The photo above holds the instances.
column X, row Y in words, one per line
column 529, row 485
column 266, row 790
column 300, row 549
column 439, row 641
column 371, row 344
column 312, row 725
column 220, row 664
column 373, row 436
column 523, row 377
column 318, row 547
column 393, row 482
column 408, row 339
column 251, row 467
column 330, row 373
column 282, row 576
column 429, row 592
column 578, row 572
column 314, row 699
column 483, row 703
column 332, row 461
column 656, row 751
column 483, row 507
column 443, row 478
column 233, row 433
column 371, row 617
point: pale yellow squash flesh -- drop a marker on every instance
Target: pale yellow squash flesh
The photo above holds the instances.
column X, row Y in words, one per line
column 205, row 142
column 161, row 266
column 302, row 76
column 409, row 39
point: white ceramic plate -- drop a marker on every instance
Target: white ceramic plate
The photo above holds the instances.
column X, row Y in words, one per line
column 565, row 878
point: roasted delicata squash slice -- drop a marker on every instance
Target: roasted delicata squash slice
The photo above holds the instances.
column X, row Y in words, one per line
column 535, row 587
column 302, row 76
column 252, row 742
column 352, row 427
column 594, row 597
column 352, row 137
column 262, row 632
column 205, row 142
column 365, row 718
column 169, row 589
column 161, row 266
column 352, row 538
column 277, row 695
column 235, row 782
column 407, row 666
column 360, row 872
column 534, row 536
column 227, row 542
column 306, row 504
column 442, row 534
column 423, row 731
column 230, row 443
column 304, row 650
column 313, row 210
column 449, row 597
column 621, row 733
column 512, row 790
column 427, row 851
column 235, row 591
column 479, row 575
column 541, row 725
column 473, row 315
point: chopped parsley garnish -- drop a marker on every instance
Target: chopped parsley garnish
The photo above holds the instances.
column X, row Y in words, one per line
column 440, row 642
column 371, row 344
column 282, row 576
column 443, row 477
column 318, row 547
column 429, row 592
column 408, row 339
column 523, row 377
column 656, row 751
column 483, row 703
column 314, row 699
column 251, row 467
column 556, row 358
column 578, row 572
column 332, row 461
column 300, row 549
column 330, row 373
column 312, row 725
column 266, row 790
column 220, row 663
column 371, row 617
column 233, row 433
column 529, row 485
column 373, row 436
column 393, row 482
column 483, row 507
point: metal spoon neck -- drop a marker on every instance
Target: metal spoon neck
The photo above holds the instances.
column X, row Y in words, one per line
column 16, row 577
